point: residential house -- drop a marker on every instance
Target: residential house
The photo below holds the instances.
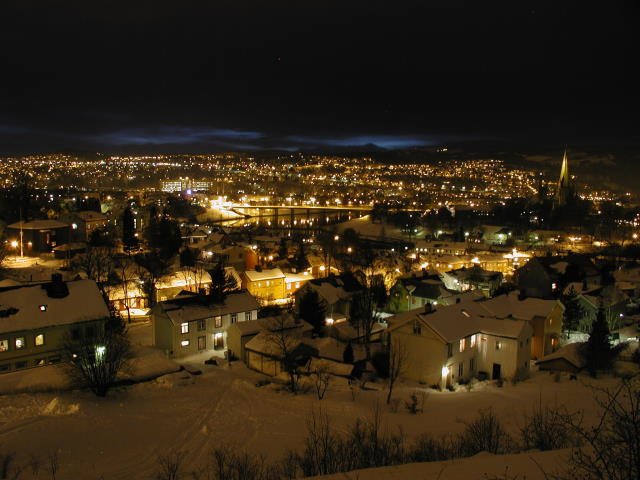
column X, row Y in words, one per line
column 453, row 344
column 544, row 316
column 267, row 285
column 475, row 278
column 37, row 236
column 416, row 290
column 84, row 223
column 35, row 320
column 187, row 325
column 335, row 291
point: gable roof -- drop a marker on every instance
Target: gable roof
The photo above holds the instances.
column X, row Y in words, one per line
column 257, row 276
column 511, row 305
column 83, row 303
column 197, row 307
column 460, row 320
column 572, row 353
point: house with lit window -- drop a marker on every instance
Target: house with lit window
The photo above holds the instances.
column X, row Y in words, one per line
column 84, row 223
column 37, row 236
column 36, row 320
column 416, row 290
column 453, row 344
column 267, row 285
column 191, row 324
column 335, row 291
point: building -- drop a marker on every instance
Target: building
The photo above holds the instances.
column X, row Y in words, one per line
column 475, row 278
column 35, row 320
column 564, row 189
column 567, row 359
column 37, row 236
column 192, row 324
column 264, row 354
column 453, row 344
column 335, row 291
column 416, row 290
column 267, row 285
column 238, row 334
column 186, row 185
column 544, row 316
column 84, row 223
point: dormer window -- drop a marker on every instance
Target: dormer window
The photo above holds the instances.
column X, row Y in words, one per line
column 42, row 308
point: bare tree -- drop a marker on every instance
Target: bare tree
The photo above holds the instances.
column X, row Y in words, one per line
column 366, row 305
column 98, row 264
column 94, row 361
column 322, row 379
column 397, row 364
column 127, row 277
column 170, row 466
column 284, row 338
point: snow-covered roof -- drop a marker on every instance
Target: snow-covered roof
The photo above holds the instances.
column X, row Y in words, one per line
column 189, row 309
column 38, row 225
column 91, row 216
column 571, row 353
column 297, row 277
column 184, row 277
column 511, row 305
column 255, row 276
column 460, row 320
column 83, row 303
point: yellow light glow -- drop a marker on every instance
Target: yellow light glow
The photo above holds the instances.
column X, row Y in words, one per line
column 14, row 243
column 445, row 371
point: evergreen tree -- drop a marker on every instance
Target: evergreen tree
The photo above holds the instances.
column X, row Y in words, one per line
column 128, row 229
column 312, row 309
column 283, row 249
column 188, row 257
column 221, row 283
column 573, row 311
column 598, row 351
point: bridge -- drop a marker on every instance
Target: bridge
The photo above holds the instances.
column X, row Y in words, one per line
column 344, row 208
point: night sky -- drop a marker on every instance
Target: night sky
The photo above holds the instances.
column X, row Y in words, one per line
column 197, row 76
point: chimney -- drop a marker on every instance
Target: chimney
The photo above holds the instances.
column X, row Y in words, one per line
column 57, row 288
column 428, row 308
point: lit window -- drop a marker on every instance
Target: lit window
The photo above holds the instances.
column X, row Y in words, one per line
column 39, row 339
column 498, row 344
column 184, row 343
column 473, row 341
column 19, row 343
column 184, row 327
column 234, row 317
column 42, row 308
column 288, row 286
column 248, row 315
column 4, row 345
column 218, row 322
column 463, row 344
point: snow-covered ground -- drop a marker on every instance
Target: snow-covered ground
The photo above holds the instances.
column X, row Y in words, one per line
column 122, row 435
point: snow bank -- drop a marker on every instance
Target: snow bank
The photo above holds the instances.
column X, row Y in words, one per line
column 531, row 466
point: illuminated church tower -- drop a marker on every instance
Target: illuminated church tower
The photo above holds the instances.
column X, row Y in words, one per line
column 564, row 191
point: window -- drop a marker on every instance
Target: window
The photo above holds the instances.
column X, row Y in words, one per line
column 42, row 308
column 184, row 343
column 202, row 325
column 417, row 328
column 449, row 350
column 19, row 343
column 297, row 284
column 4, row 345
column 247, row 316
column 184, row 327
column 218, row 341
column 498, row 344
column 528, row 340
column 463, row 344
column 460, row 369
column 39, row 339
column 202, row 343
column 218, row 321
column 472, row 365
column 234, row 317
column 473, row 341
column 268, row 283
column 288, row 286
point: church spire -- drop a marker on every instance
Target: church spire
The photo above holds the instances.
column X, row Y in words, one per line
column 563, row 190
